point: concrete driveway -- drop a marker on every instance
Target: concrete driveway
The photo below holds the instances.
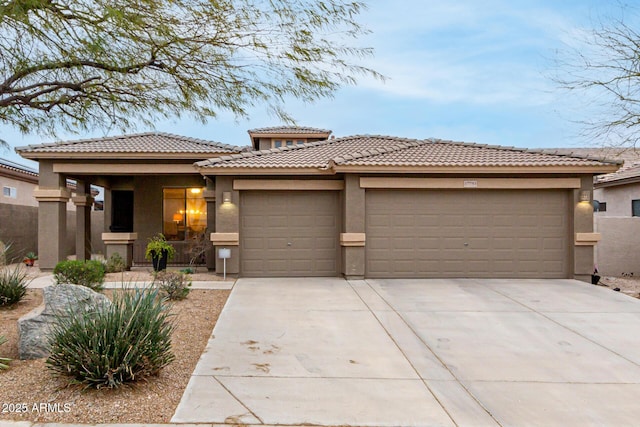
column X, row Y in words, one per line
column 420, row 353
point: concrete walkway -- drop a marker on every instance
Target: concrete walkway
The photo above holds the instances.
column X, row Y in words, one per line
column 48, row 280
column 419, row 353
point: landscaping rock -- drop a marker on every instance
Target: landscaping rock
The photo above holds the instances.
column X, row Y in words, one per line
column 33, row 327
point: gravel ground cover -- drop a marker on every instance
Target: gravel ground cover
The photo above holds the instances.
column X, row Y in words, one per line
column 29, row 387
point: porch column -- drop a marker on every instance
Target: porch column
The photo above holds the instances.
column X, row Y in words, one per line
column 83, row 202
column 52, row 195
column 353, row 238
column 585, row 238
column 227, row 223
column 210, row 198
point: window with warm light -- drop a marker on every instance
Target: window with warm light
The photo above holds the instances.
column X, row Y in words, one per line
column 184, row 213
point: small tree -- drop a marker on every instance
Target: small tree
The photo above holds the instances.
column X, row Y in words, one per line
column 603, row 69
column 79, row 64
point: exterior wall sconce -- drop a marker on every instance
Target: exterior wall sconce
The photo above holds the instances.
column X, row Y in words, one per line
column 226, row 197
column 585, row 195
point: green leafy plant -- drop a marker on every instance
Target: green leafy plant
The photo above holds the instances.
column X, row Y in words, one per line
column 158, row 244
column 115, row 264
column 85, row 273
column 13, row 285
column 173, row 285
column 128, row 341
column 3, row 360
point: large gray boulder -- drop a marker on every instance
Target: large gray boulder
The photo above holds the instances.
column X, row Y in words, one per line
column 34, row 327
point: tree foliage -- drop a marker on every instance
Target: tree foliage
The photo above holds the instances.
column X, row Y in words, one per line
column 79, row 64
column 604, row 70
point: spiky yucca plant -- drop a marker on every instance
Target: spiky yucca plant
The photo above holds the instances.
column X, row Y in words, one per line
column 13, row 285
column 3, row 360
column 129, row 340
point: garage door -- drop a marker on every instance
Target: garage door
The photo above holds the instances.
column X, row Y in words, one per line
column 423, row 233
column 286, row 234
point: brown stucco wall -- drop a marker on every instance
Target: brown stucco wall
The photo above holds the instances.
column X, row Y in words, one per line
column 227, row 221
column 353, row 220
column 584, row 261
column 19, row 226
column 22, row 229
column 617, row 252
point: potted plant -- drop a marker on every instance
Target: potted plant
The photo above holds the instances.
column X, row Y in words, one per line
column 29, row 259
column 159, row 251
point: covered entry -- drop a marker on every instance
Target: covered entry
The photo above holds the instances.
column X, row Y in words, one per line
column 289, row 233
column 457, row 233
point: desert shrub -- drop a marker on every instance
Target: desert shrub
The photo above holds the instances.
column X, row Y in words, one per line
column 13, row 285
column 115, row 264
column 173, row 285
column 84, row 273
column 128, row 341
column 3, row 360
column 4, row 252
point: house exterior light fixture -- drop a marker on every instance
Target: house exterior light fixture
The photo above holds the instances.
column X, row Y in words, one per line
column 226, row 197
column 585, row 195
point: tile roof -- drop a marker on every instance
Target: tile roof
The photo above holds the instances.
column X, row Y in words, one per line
column 310, row 155
column 151, row 142
column 630, row 172
column 612, row 153
column 367, row 150
column 16, row 167
column 297, row 130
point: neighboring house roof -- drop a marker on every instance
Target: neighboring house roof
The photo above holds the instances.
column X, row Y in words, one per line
column 141, row 145
column 27, row 174
column 288, row 130
column 17, row 167
column 385, row 153
column 612, row 153
column 628, row 174
column 17, row 171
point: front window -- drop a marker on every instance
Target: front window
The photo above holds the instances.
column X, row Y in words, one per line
column 635, row 208
column 184, row 213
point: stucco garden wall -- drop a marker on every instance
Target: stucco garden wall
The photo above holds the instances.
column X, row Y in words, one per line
column 22, row 229
column 617, row 252
column 19, row 226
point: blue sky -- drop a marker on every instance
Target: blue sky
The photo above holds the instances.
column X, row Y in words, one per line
column 465, row 70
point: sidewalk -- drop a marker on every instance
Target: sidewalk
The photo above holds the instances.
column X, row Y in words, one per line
column 47, row 280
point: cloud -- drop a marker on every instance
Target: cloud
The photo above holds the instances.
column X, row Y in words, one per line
column 480, row 53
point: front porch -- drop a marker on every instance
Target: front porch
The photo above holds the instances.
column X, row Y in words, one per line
column 150, row 187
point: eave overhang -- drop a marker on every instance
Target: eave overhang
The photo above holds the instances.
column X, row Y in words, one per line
column 617, row 182
column 378, row 169
column 120, row 156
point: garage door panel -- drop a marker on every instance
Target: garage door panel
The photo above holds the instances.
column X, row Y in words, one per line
column 291, row 233
column 508, row 233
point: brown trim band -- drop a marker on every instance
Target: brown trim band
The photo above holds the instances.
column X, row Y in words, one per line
column 225, row 239
column 287, row 184
column 119, row 238
column 470, row 183
column 587, row 239
column 123, row 169
column 352, row 239
column 52, row 194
